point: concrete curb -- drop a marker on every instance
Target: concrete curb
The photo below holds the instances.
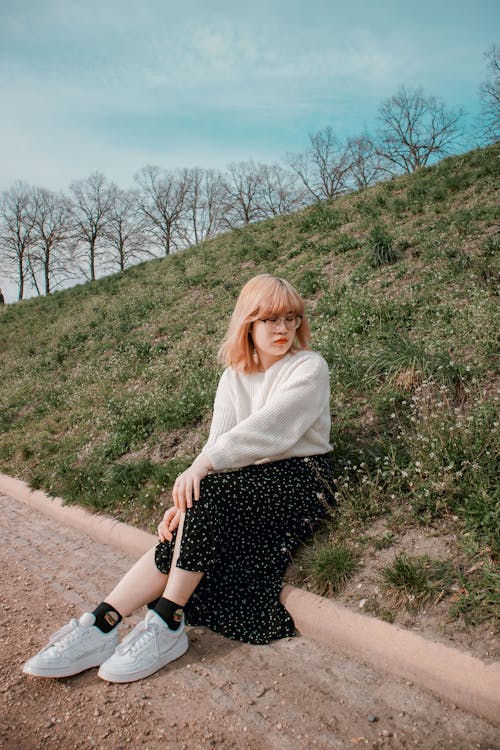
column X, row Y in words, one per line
column 456, row 676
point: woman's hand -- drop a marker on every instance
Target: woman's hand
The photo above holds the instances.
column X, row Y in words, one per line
column 169, row 523
column 187, row 484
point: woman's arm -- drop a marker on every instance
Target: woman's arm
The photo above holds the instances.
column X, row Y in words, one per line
column 186, row 488
column 224, row 414
column 187, row 484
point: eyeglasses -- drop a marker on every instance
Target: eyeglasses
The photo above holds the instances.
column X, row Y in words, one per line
column 292, row 322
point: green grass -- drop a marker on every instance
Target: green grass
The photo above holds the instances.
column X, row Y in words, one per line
column 479, row 598
column 107, row 387
column 326, row 566
column 414, row 581
column 381, row 247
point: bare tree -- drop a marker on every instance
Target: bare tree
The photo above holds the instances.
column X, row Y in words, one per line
column 17, row 233
column 125, row 228
column 241, row 186
column 280, row 191
column 52, row 246
column 415, row 130
column 365, row 165
column 91, row 207
column 163, row 203
column 489, row 93
column 248, row 192
column 324, row 167
column 204, row 205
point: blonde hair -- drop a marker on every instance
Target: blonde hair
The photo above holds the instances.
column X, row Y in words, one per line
column 261, row 297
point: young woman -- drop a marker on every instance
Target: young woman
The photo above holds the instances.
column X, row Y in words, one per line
column 255, row 492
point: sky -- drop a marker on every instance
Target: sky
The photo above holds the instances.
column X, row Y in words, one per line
column 113, row 85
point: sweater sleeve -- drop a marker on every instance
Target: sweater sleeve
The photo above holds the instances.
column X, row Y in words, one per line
column 279, row 423
column 224, row 413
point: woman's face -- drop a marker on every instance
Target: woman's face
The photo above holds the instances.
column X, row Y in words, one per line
column 272, row 340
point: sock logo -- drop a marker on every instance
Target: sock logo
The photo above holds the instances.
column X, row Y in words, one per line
column 111, row 617
column 178, row 615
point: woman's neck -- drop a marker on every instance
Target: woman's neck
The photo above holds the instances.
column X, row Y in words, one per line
column 266, row 361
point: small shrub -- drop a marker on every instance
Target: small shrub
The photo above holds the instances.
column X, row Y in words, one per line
column 367, row 208
column 381, row 248
column 322, row 217
column 328, row 566
column 413, row 581
column 438, row 194
column 344, row 242
column 399, row 206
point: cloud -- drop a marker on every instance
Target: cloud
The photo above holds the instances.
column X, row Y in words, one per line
column 108, row 83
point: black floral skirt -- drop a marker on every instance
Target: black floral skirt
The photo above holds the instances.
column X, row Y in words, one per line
column 242, row 533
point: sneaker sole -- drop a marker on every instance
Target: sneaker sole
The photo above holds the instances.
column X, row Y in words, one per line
column 106, row 673
column 68, row 671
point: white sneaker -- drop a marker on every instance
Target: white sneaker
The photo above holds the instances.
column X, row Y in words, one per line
column 79, row 645
column 148, row 647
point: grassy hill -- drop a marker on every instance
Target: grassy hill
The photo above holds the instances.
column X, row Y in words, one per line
column 107, row 387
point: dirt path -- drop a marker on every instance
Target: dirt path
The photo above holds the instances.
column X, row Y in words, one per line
column 290, row 695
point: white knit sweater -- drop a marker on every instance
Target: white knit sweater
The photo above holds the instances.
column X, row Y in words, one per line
column 267, row 416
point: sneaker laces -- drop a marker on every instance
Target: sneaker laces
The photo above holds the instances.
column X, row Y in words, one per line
column 137, row 637
column 59, row 638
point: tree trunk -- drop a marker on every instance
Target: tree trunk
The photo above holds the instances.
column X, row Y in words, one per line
column 92, row 260
column 46, row 271
column 21, row 278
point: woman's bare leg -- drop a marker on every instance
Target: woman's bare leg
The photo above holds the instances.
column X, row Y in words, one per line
column 143, row 583
column 181, row 583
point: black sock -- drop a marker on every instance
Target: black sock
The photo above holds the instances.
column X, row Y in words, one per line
column 152, row 605
column 106, row 617
column 170, row 612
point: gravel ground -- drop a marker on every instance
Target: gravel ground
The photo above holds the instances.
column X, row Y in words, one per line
column 290, row 695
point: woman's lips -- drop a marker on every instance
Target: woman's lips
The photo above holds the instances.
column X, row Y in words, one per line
column 281, row 341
